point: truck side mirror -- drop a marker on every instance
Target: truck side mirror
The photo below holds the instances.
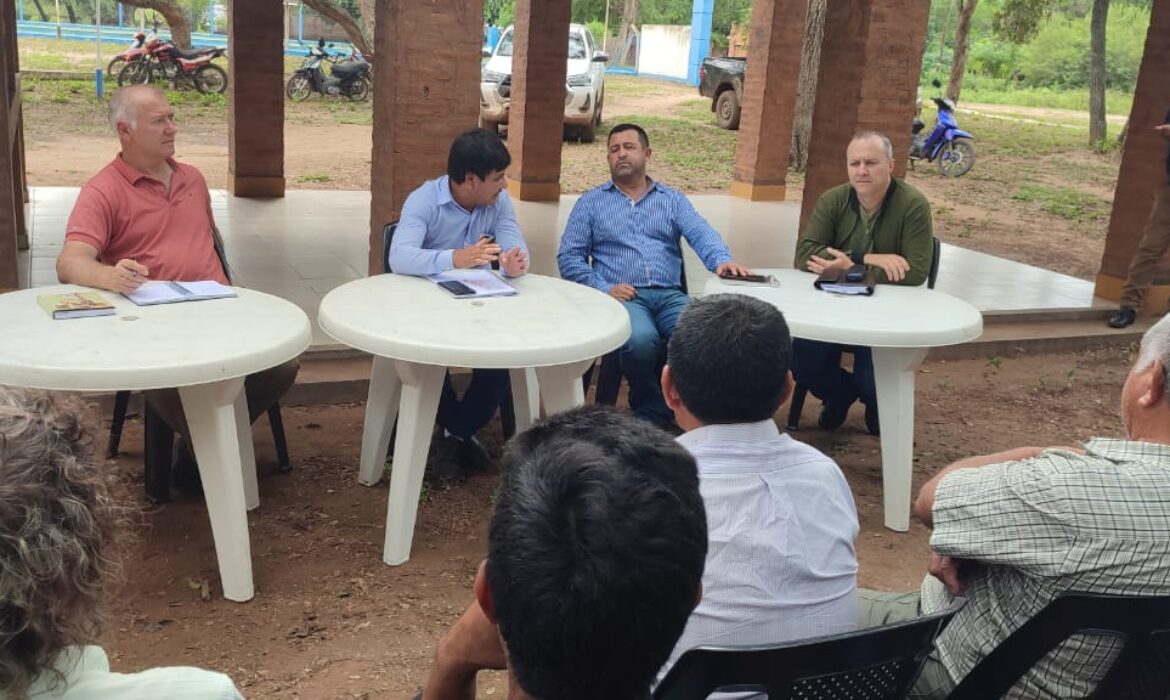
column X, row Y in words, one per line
column 487, row 53
column 600, row 57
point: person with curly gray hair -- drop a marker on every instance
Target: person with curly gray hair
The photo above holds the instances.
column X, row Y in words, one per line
column 58, row 527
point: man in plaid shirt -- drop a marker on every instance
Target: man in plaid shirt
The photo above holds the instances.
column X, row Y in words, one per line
column 1015, row 529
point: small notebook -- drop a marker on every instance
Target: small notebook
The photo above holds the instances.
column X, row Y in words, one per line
column 471, row 284
column 75, row 305
column 838, row 282
column 159, row 292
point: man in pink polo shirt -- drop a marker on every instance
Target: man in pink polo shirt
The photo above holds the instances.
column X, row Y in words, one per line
column 146, row 216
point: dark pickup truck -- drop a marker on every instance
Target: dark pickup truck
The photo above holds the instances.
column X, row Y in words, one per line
column 721, row 79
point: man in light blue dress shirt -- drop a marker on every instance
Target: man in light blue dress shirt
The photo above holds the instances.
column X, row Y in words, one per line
column 623, row 238
column 462, row 220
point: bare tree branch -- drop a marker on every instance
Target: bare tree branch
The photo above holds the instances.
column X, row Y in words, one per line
column 175, row 15
column 346, row 21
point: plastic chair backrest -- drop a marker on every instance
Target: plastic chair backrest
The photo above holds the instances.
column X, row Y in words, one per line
column 387, row 237
column 932, row 275
column 878, row 663
column 1140, row 624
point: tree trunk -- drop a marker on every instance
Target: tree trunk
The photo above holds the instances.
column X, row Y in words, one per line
column 806, row 86
column 345, row 21
column 1097, row 72
column 962, row 43
column 44, row 15
column 629, row 19
column 69, row 11
column 175, row 15
column 368, row 10
column 1121, row 136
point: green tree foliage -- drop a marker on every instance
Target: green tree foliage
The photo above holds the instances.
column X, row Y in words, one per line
column 1059, row 55
column 592, row 13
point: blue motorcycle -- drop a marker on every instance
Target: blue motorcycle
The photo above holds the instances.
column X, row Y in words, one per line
column 949, row 145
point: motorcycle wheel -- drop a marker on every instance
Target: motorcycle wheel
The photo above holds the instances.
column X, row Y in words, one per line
column 115, row 66
column 298, row 88
column 134, row 73
column 210, row 79
column 956, row 158
column 360, row 92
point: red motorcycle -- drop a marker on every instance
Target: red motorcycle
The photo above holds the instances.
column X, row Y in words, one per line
column 182, row 68
column 136, row 51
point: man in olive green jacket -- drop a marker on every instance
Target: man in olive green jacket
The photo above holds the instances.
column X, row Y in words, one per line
column 872, row 220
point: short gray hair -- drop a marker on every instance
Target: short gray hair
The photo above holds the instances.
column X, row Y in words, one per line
column 123, row 107
column 886, row 145
column 1155, row 346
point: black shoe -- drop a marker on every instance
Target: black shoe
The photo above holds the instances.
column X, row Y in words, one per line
column 871, row 419
column 472, row 455
column 443, row 463
column 832, row 416
column 184, row 470
column 1125, row 316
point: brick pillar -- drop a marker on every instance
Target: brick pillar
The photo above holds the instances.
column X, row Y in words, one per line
column 871, row 60
column 426, row 92
column 537, row 118
column 256, row 98
column 769, row 97
column 1143, row 163
column 12, row 225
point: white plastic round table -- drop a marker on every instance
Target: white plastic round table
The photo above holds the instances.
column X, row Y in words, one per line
column 204, row 348
column 900, row 324
column 548, row 334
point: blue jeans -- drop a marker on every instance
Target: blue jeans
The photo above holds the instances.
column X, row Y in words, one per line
column 817, row 367
column 653, row 315
column 464, row 417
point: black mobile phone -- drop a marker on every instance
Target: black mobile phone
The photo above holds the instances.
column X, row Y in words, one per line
column 855, row 274
column 457, row 288
column 489, row 237
column 744, row 278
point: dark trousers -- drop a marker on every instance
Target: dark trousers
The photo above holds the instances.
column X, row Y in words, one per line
column 817, row 367
column 262, row 389
column 464, row 417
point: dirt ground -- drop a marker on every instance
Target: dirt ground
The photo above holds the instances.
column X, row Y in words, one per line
column 1037, row 194
column 330, row 621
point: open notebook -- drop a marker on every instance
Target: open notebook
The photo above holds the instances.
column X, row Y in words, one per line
column 158, row 292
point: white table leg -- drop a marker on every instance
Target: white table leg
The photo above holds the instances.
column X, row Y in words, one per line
column 421, row 387
column 525, row 397
column 893, row 370
column 212, row 417
column 247, row 451
column 381, row 409
column 560, row 386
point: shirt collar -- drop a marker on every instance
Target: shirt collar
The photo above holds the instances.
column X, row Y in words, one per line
column 741, row 433
column 444, row 194
column 134, row 175
column 611, row 186
column 1117, row 450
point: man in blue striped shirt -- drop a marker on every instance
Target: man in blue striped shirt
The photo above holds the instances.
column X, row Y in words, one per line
column 461, row 220
column 623, row 238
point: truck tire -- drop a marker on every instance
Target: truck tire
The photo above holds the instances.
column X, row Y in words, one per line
column 727, row 110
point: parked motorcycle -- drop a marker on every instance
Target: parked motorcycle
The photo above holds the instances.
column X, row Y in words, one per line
column 947, row 144
column 182, row 68
column 350, row 78
column 136, row 50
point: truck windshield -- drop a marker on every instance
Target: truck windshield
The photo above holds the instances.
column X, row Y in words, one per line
column 576, row 45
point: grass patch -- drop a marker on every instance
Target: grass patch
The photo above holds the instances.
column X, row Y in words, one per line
column 314, row 177
column 697, row 110
column 1063, row 202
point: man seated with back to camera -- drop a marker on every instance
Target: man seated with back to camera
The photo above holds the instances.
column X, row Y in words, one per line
column 595, row 554
column 462, row 220
column 781, row 521
column 876, row 220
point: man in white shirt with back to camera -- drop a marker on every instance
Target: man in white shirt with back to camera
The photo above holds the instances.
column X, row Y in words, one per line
column 780, row 516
